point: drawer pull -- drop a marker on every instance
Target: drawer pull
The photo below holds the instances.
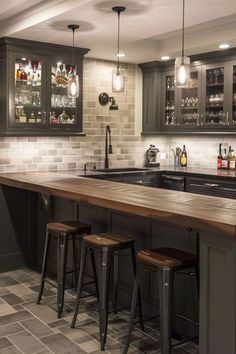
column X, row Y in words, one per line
column 211, row 184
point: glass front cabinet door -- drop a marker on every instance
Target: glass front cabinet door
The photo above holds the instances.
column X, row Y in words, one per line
column 65, row 113
column 215, row 93
column 188, row 111
column 36, row 101
column 27, row 108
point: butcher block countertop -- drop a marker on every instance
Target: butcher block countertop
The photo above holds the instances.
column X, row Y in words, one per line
column 191, row 210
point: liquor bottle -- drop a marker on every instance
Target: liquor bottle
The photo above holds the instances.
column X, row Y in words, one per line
column 225, row 160
column 19, row 71
column 231, row 159
column 58, row 69
column 64, row 71
column 53, row 118
column 219, row 158
column 39, row 118
column 32, row 117
column 183, row 157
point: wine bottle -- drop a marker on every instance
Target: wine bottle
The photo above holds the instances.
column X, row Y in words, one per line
column 183, row 157
column 219, row 158
column 231, row 159
column 225, row 160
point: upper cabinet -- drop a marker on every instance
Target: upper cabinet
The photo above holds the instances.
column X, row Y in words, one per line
column 33, row 88
column 208, row 105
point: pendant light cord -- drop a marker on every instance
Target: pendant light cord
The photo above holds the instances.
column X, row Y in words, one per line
column 118, row 44
column 73, row 56
column 183, row 29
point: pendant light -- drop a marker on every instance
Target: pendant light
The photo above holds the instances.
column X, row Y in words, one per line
column 182, row 64
column 73, row 79
column 117, row 77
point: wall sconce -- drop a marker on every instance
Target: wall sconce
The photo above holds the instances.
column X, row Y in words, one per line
column 104, row 98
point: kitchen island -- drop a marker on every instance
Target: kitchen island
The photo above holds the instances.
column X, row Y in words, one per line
column 214, row 219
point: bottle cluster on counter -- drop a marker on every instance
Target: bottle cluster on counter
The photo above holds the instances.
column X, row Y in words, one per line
column 226, row 160
column 180, row 157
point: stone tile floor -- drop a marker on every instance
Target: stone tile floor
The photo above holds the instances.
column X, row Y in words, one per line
column 28, row 328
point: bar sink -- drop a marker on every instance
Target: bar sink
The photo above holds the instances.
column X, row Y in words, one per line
column 124, row 169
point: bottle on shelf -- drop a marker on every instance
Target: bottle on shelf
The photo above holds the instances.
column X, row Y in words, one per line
column 32, row 117
column 64, row 71
column 22, row 115
column 19, row 71
column 183, row 157
column 219, row 158
column 58, row 69
column 231, row 159
column 225, row 162
column 53, row 118
column 39, row 118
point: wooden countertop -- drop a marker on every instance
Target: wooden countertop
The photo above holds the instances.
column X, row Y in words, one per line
column 191, row 210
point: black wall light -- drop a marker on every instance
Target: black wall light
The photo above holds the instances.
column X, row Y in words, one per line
column 104, row 98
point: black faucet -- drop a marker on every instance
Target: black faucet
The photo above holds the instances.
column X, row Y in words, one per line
column 108, row 147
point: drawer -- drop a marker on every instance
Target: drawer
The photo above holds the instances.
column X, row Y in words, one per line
column 214, row 187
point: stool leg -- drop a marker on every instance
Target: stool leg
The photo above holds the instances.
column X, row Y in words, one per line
column 80, row 282
column 165, row 298
column 133, row 305
column 44, row 266
column 115, row 282
column 75, row 261
column 105, row 269
column 62, row 248
column 133, row 256
column 94, row 272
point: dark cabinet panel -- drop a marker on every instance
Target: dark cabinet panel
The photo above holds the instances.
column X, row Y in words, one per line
column 208, row 105
column 36, row 77
column 150, row 102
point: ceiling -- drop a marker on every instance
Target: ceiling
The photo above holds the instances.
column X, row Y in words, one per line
column 149, row 28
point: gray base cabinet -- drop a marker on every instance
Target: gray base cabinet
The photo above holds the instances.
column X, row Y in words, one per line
column 218, row 294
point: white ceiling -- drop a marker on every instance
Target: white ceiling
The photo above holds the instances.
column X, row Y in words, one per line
column 149, row 28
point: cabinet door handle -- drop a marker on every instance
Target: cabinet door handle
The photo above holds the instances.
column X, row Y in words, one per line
column 139, row 182
column 211, row 184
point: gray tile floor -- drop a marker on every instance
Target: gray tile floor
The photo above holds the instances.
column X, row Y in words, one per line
column 29, row 328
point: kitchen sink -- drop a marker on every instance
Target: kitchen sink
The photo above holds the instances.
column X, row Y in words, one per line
column 124, row 169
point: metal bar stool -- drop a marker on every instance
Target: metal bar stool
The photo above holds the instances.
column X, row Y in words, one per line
column 166, row 261
column 106, row 245
column 63, row 232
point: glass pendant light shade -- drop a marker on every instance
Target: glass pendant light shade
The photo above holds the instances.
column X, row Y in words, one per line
column 117, row 81
column 73, row 86
column 182, row 64
column 182, row 71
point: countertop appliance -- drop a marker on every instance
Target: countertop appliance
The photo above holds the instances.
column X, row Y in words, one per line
column 151, row 156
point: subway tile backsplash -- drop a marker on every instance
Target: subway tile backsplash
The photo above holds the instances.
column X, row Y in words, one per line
column 62, row 153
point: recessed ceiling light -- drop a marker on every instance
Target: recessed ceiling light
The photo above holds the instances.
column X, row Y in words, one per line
column 120, row 54
column 224, row 46
column 165, row 57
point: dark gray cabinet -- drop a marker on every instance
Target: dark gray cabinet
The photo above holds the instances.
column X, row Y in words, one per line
column 33, row 89
column 208, row 105
column 150, row 102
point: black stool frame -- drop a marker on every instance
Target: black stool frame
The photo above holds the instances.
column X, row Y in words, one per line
column 106, row 256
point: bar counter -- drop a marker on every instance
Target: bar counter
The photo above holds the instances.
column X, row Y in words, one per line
column 203, row 212
column 213, row 218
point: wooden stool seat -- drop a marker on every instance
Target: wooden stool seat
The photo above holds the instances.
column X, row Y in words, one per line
column 68, row 227
column 167, row 257
column 107, row 240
